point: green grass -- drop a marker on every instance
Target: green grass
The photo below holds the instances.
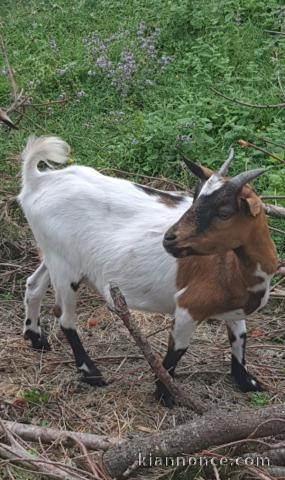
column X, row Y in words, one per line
column 259, row 399
column 220, row 43
column 214, row 43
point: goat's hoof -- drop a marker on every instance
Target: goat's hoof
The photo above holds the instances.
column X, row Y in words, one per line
column 38, row 341
column 163, row 396
column 249, row 384
column 94, row 378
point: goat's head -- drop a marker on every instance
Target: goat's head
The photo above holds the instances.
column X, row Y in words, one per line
column 222, row 216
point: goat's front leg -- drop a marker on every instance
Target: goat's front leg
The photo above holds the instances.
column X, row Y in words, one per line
column 66, row 298
column 36, row 287
column 237, row 337
column 179, row 338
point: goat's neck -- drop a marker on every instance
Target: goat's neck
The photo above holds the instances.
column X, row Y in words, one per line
column 258, row 253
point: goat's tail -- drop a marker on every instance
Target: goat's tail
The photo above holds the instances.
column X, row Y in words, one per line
column 42, row 149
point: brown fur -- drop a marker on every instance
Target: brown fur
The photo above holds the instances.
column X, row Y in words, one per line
column 218, row 279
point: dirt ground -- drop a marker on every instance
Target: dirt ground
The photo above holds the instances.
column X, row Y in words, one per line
column 45, row 388
column 39, row 387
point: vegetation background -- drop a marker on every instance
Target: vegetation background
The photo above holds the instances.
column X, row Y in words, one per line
column 126, row 82
column 135, row 80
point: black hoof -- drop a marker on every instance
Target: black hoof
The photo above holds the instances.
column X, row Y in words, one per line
column 38, row 341
column 94, row 378
column 163, row 395
column 248, row 383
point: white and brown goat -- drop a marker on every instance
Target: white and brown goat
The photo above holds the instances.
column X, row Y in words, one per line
column 210, row 256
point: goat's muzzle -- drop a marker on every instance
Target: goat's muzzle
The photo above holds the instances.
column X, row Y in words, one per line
column 171, row 245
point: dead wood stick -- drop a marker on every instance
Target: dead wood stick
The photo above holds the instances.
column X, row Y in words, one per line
column 275, row 32
column 212, row 429
column 271, row 142
column 21, row 457
column 246, row 104
column 9, row 68
column 274, row 211
column 245, row 143
column 278, row 472
column 121, row 309
column 275, row 456
column 33, row 433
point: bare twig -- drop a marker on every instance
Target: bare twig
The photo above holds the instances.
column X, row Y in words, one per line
column 278, row 472
column 272, row 197
column 121, row 309
column 277, row 230
column 245, row 143
column 34, row 433
column 246, row 104
column 281, row 145
column 278, row 73
column 274, row 210
column 273, row 32
column 20, row 456
column 9, row 68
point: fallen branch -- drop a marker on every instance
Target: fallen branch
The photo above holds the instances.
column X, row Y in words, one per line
column 274, row 210
column 214, row 428
column 33, row 433
column 16, row 454
column 275, row 456
column 278, row 472
column 23, row 458
column 121, row 309
column 246, row 104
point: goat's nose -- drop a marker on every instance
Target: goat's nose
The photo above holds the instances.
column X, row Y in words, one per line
column 169, row 237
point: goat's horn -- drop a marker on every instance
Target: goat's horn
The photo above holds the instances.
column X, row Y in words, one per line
column 245, row 177
column 224, row 168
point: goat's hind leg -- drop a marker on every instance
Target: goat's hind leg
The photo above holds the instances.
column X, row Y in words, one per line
column 36, row 287
column 237, row 337
column 67, row 299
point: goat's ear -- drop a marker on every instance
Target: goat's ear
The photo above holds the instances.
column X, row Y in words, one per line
column 201, row 172
column 251, row 206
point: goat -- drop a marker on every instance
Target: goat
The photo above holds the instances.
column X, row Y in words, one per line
column 210, row 256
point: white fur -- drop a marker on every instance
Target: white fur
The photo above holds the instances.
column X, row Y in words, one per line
column 36, row 287
column 184, row 327
column 211, row 185
column 98, row 227
column 263, row 285
column 238, row 327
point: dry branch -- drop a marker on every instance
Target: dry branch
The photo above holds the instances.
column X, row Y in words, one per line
column 121, row 309
column 21, row 457
column 9, row 68
column 245, row 143
column 274, row 211
column 19, row 100
column 275, row 455
column 246, row 104
column 16, row 454
column 214, row 428
column 33, row 433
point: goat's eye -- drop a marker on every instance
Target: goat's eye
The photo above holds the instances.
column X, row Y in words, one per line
column 224, row 215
